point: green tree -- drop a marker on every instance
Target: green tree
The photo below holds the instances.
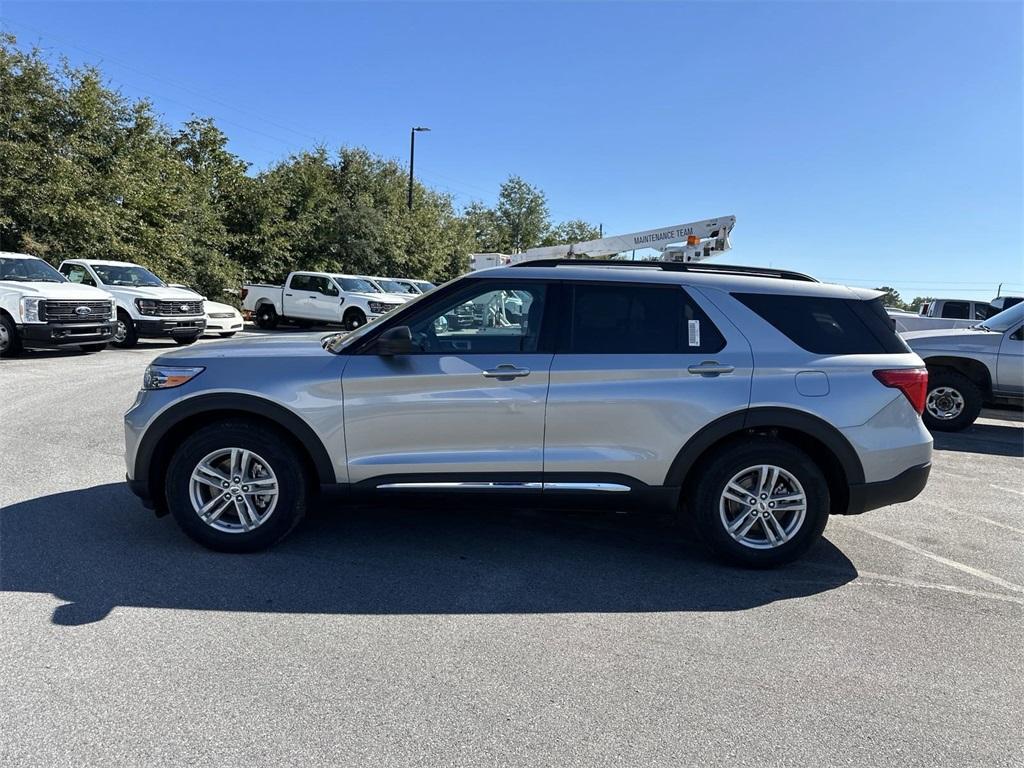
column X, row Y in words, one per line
column 521, row 214
column 572, row 231
column 918, row 302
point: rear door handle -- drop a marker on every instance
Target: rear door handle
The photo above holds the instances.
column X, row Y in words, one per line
column 506, row 371
column 710, row 368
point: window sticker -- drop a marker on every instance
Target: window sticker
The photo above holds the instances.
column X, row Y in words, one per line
column 694, row 331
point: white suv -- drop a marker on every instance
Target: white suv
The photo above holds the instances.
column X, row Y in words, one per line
column 146, row 306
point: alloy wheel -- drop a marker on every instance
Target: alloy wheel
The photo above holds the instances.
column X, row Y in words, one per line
column 763, row 507
column 233, row 490
column 121, row 332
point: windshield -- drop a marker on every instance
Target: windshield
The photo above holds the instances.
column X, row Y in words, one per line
column 425, row 285
column 357, row 285
column 337, row 342
column 113, row 274
column 21, row 270
column 393, row 286
column 1004, row 320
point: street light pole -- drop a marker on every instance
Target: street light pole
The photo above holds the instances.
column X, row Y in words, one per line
column 412, row 157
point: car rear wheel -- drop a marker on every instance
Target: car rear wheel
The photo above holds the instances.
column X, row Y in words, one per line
column 236, row 486
column 761, row 503
column 266, row 317
column 953, row 402
column 125, row 335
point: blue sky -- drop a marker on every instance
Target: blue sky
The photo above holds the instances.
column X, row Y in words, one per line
column 866, row 143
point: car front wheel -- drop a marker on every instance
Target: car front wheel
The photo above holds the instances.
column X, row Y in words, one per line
column 353, row 319
column 125, row 335
column 236, row 486
column 761, row 503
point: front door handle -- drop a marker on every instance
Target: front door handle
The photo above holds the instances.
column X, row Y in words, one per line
column 710, row 368
column 506, row 371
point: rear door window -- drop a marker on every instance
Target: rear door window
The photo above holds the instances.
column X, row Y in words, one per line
column 829, row 326
column 302, row 283
column 957, row 310
column 637, row 319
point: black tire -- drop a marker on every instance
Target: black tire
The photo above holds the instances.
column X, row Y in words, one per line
column 184, row 341
column 10, row 341
column 717, row 471
column 280, row 454
column 227, row 335
column 90, row 348
column 944, row 386
column 354, row 318
column 267, row 317
column 131, row 335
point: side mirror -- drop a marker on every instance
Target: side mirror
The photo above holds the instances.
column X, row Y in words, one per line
column 394, row 341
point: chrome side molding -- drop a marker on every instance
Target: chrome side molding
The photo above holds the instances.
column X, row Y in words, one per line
column 504, row 486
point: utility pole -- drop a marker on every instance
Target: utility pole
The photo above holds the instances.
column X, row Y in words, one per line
column 412, row 157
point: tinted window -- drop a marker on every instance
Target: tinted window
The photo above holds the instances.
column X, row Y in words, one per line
column 302, row 283
column 982, row 311
column 828, row 326
column 486, row 320
column 638, row 319
column 957, row 310
column 323, row 285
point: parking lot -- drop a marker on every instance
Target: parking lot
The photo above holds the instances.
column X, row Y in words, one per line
column 434, row 637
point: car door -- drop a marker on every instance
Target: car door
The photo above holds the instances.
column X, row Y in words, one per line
column 467, row 406
column 295, row 300
column 638, row 370
column 324, row 299
column 1010, row 364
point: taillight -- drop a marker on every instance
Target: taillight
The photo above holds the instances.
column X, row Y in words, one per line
column 912, row 382
column 245, row 292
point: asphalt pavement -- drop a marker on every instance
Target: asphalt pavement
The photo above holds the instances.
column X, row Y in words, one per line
column 392, row 637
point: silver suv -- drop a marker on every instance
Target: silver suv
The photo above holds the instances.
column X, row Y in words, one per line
column 755, row 401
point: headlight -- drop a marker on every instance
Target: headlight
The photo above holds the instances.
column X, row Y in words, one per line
column 113, row 310
column 30, row 310
column 166, row 376
column 147, row 306
column 379, row 307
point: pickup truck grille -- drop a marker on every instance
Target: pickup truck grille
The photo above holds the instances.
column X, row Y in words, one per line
column 62, row 311
column 180, row 308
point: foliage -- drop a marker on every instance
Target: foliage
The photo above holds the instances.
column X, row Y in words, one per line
column 88, row 173
column 891, row 297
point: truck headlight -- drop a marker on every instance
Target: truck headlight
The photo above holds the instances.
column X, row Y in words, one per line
column 30, row 310
column 147, row 306
column 167, row 376
column 379, row 307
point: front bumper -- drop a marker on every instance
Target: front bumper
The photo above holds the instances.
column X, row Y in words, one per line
column 156, row 327
column 57, row 335
column 904, row 487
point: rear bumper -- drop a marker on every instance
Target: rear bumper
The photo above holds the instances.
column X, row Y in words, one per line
column 56, row 335
column 904, row 487
column 152, row 328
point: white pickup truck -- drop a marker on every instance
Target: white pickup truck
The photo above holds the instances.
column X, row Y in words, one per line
column 146, row 306
column 312, row 298
column 40, row 309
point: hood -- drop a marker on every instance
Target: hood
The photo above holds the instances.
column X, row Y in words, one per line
column 384, row 298
column 56, row 290
column 216, row 306
column 272, row 348
column 962, row 339
column 156, row 292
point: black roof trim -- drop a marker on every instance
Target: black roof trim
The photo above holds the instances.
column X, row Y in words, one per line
column 674, row 266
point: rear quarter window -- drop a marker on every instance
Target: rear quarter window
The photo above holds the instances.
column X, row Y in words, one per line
column 829, row 326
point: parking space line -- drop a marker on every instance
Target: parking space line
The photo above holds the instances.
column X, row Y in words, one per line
column 1010, row 490
column 943, row 560
column 980, row 518
column 869, row 578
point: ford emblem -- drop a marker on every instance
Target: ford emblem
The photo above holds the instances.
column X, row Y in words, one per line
column 183, row 307
column 83, row 311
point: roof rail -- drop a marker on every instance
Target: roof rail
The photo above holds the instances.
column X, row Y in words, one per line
column 673, row 266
